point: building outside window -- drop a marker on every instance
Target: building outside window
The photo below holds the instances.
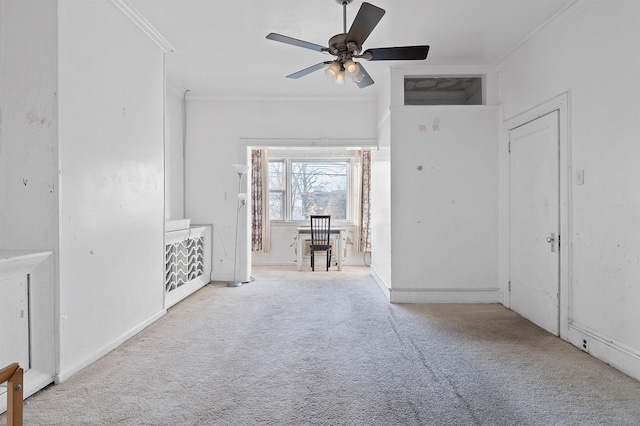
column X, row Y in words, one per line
column 301, row 187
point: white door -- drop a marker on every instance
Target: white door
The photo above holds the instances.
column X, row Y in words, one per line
column 535, row 221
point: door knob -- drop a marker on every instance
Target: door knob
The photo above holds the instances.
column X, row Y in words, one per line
column 552, row 240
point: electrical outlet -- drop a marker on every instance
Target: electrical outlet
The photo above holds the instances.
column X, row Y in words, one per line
column 580, row 177
column 585, row 344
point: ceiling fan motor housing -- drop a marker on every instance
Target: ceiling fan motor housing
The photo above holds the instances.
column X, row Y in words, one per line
column 340, row 47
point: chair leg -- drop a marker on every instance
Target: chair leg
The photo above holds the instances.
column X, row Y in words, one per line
column 312, row 268
column 328, row 259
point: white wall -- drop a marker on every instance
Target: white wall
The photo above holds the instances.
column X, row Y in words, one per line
column 213, row 145
column 444, row 200
column 111, row 256
column 435, row 195
column 28, row 125
column 174, row 159
column 592, row 55
column 444, row 204
column 381, row 206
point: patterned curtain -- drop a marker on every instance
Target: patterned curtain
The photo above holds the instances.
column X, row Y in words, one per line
column 365, row 215
column 260, row 230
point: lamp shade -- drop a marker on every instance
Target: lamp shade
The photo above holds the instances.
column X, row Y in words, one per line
column 351, row 68
column 333, row 70
column 241, row 168
column 358, row 76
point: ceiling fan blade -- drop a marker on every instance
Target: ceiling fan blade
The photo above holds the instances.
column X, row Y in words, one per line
column 309, row 70
column 406, row 53
column 367, row 80
column 295, row 42
column 366, row 20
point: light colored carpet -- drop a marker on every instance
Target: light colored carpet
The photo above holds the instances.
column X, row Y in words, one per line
column 326, row 348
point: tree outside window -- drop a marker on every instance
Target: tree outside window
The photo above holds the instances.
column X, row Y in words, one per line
column 316, row 187
column 276, row 190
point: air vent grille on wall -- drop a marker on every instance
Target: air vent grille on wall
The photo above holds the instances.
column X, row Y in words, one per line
column 184, row 261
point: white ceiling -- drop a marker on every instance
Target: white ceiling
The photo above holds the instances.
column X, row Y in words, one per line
column 221, row 49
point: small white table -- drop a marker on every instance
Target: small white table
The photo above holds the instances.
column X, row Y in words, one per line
column 304, row 233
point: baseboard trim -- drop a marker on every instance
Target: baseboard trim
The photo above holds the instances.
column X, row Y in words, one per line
column 381, row 283
column 445, row 295
column 606, row 349
column 185, row 290
column 68, row 372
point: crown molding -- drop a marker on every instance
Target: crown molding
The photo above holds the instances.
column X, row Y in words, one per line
column 316, row 99
column 139, row 21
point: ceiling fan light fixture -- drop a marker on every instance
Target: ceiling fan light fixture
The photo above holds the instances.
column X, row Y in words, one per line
column 334, row 69
column 351, row 68
column 358, row 75
column 348, row 45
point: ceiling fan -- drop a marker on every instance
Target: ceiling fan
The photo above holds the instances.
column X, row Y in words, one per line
column 348, row 46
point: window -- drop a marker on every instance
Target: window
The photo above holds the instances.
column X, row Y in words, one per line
column 276, row 190
column 299, row 188
column 446, row 90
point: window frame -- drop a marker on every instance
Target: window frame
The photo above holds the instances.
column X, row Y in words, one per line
column 287, row 168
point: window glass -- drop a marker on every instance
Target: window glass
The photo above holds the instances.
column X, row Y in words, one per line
column 318, row 188
column 300, row 188
column 276, row 190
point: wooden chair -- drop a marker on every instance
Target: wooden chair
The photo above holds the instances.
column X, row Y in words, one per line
column 320, row 227
column 14, row 376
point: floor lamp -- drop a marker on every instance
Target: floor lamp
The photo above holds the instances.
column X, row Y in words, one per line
column 242, row 170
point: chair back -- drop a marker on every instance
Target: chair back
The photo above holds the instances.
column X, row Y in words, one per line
column 320, row 226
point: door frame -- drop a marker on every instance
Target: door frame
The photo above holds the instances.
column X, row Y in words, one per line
column 560, row 103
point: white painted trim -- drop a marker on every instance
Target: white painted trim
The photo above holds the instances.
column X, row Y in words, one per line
column 558, row 19
column 605, row 348
column 33, row 381
column 536, row 111
column 560, row 103
column 448, row 70
column 275, row 98
column 444, row 295
column 185, row 291
column 68, row 372
column 140, row 22
column 384, row 287
column 385, row 117
column 311, row 142
column 172, row 85
column 402, row 108
column 443, row 289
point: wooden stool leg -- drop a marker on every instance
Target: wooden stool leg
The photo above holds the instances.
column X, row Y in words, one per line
column 15, row 393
